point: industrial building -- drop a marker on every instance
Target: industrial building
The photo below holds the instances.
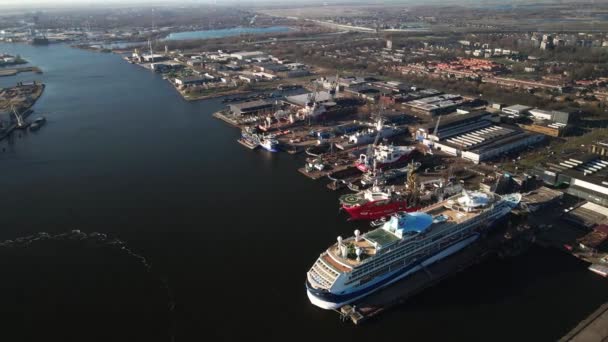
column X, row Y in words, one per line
column 516, row 110
column 193, row 80
column 243, row 55
column 437, row 105
column 599, row 148
column 453, row 124
column 491, row 149
column 257, row 107
column 553, row 115
column 553, row 129
column 303, row 99
column 586, row 176
column 478, row 139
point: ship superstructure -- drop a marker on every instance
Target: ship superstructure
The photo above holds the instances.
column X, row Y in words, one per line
column 384, row 156
column 357, row 266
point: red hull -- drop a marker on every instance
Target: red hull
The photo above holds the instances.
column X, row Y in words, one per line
column 369, row 211
column 364, row 168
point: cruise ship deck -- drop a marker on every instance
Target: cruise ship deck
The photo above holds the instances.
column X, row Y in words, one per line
column 379, row 238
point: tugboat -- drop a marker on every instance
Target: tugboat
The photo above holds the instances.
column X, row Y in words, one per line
column 39, row 122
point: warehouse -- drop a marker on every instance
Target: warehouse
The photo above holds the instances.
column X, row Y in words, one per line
column 252, row 108
column 247, row 55
column 553, row 115
column 437, row 105
column 546, row 128
column 516, row 110
column 493, row 149
column 585, row 174
column 453, row 124
column 487, row 143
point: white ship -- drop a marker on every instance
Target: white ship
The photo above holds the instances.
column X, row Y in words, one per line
column 357, row 266
column 270, row 144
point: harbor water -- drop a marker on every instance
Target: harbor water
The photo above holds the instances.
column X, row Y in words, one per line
column 229, row 32
column 230, row 232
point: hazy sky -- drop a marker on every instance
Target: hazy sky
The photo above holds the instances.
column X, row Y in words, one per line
column 114, row 3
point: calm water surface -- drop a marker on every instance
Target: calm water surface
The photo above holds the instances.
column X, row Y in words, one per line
column 233, row 231
column 235, row 31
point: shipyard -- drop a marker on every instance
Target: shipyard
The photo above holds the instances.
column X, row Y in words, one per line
column 364, row 170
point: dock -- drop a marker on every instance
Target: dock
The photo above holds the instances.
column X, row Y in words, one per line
column 220, row 115
column 250, row 145
column 316, row 174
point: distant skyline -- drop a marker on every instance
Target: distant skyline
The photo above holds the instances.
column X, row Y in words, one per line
column 51, row 4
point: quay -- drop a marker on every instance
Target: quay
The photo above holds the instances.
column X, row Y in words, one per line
column 221, row 116
column 247, row 144
column 15, row 71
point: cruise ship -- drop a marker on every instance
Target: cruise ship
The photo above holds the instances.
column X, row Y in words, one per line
column 354, row 267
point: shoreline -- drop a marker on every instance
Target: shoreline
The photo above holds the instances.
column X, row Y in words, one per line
column 14, row 71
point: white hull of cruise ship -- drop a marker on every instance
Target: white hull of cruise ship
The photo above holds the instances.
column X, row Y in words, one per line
column 360, row 265
column 445, row 253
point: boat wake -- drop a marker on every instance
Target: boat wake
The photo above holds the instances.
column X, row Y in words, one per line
column 96, row 251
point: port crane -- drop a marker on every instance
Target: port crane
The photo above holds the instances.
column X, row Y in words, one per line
column 369, row 155
column 18, row 117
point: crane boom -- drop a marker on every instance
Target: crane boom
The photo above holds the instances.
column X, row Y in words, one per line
column 437, row 126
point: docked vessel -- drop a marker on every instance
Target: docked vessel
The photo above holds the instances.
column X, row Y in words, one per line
column 34, row 126
column 599, row 269
column 249, row 138
column 375, row 203
column 384, row 156
column 270, row 144
column 357, row 266
column 369, row 135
